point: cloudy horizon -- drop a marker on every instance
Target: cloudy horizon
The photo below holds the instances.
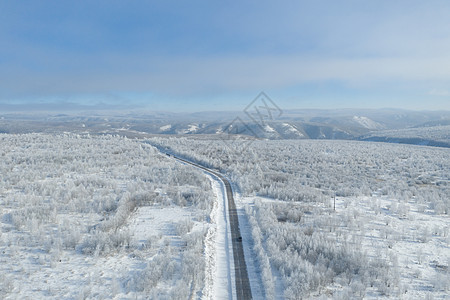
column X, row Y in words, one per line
column 200, row 56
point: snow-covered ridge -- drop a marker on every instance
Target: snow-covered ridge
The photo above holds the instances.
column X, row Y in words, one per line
column 292, row 129
column 368, row 123
column 192, row 128
column 433, row 135
column 165, row 127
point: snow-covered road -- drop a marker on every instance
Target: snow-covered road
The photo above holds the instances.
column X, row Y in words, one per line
column 218, row 247
column 227, row 276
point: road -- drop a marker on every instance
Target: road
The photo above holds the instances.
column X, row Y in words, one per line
column 243, row 290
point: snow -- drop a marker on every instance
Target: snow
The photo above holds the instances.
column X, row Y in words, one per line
column 210, row 249
column 220, row 276
column 150, row 221
column 165, row 127
column 292, row 129
column 55, row 203
column 267, row 128
column 99, row 221
column 418, row 241
column 71, row 276
column 253, row 267
column 367, row 123
column 391, row 216
column 415, row 242
column 219, row 257
column 191, row 129
column 434, row 135
column 223, row 283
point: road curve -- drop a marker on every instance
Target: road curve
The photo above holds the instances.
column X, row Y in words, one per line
column 243, row 290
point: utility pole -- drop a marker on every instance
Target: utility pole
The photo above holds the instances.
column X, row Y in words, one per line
column 334, row 201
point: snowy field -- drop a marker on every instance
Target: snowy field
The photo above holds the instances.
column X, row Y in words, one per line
column 387, row 234
column 108, row 217
column 103, row 217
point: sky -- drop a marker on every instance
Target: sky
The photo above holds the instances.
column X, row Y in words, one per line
column 218, row 55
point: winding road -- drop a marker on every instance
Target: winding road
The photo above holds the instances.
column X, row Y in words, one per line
column 243, row 290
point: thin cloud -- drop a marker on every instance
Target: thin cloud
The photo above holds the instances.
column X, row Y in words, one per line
column 439, row 92
column 188, row 76
column 186, row 52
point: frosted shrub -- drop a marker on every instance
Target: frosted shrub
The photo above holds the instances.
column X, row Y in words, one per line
column 69, row 195
column 184, row 227
column 310, row 170
column 100, row 243
column 306, row 256
column 6, row 284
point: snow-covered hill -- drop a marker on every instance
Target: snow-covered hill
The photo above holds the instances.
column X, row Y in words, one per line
column 429, row 135
column 368, row 123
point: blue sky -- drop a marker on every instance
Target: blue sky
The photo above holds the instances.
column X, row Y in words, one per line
column 211, row 55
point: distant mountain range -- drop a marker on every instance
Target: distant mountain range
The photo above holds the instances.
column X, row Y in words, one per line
column 389, row 125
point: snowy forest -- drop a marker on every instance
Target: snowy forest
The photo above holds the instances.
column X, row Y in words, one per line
column 339, row 219
column 99, row 217
column 104, row 216
column 218, row 150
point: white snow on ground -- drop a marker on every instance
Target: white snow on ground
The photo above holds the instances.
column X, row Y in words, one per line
column 220, row 276
column 150, row 221
column 412, row 239
column 223, row 284
column 393, row 244
column 292, row 129
column 267, row 128
column 253, row 267
column 434, row 133
column 276, row 286
column 65, row 275
column 165, row 127
column 191, row 129
column 69, row 277
column 210, row 249
column 367, row 123
column 102, row 221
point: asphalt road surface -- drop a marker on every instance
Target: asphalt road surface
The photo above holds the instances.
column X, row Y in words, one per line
column 243, row 290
